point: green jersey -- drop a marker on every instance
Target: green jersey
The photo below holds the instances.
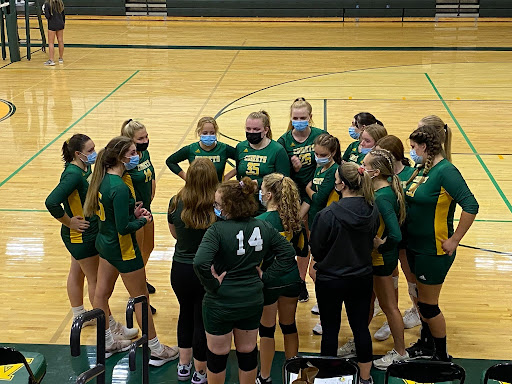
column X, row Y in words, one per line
column 352, row 153
column 404, row 175
column 387, row 203
column 188, row 238
column 117, row 226
column 323, row 186
column 71, row 192
column 218, row 155
column 431, row 207
column 140, row 180
column 238, row 247
column 305, row 151
column 286, row 266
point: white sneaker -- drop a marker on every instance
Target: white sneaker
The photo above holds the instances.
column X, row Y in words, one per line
column 61, row 61
column 315, row 310
column 184, row 371
column 388, row 359
column 411, row 318
column 317, row 329
column 199, row 378
column 383, row 333
column 49, row 63
column 376, row 308
column 117, row 346
column 120, row 332
column 167, row 354
column 348, row 349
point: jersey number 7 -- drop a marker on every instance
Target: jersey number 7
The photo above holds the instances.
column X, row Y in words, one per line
column 254, row 241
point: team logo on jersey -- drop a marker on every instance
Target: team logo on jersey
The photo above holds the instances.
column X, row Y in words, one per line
column 246, row 150
column 292, row 145
column 198, row 151
column 7, row 109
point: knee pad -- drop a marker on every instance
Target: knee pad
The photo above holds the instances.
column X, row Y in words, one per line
column 288, row 329
column 395, row 282
column 413, row 291
column 428, row 311
column 216, row 363
column 248, row 361
column 267, row 331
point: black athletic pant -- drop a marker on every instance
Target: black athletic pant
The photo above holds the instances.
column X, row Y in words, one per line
column 356, row 293
column 190, row 292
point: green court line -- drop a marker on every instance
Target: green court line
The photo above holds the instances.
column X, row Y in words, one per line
column 65, row 131
column 482, row 163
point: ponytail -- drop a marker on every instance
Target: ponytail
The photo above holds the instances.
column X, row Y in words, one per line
column 447, row 143
column 129, row 128
column 357, row 180
column 367, row 187
column 91, row 204
column 396, row 185
column 332, row 144
column 74, row 144
column 238, row 198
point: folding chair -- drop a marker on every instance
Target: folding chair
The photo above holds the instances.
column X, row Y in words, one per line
column 501, row 372
column 329, row 368
column 16, row 360
column 425, row 371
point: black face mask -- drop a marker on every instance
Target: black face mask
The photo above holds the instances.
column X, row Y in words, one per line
column 340, row 193
column 253, row 138
column 141, row 146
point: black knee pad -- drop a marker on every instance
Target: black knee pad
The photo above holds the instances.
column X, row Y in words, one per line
column 428, row 311
column 267, row 331
column 248, row 361
column 288, row 329
column 216, row 363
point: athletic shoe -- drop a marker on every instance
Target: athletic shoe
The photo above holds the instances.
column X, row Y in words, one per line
column 199, row 378
column 348, row 349
column 151, row 289
column 383, row 333
column 261, row 380
column 317, row 329
column 411, row 318
column 369, row 381
column 304, row 294
column 389, row 358
column 439, row 358
column 167, row 354
column 376, row 308
column 117, row 346
column 61, row 61
column 421, row 349
column 315, row 310
column 184, row 371
column 120, row 332
column 49, row 63
column 153, row 309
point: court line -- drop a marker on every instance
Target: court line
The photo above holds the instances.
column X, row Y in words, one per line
column 66, row 130
column 468, row 141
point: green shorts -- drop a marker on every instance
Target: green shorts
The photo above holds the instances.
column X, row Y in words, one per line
column 80, row 251
column 429, row 269
column 270, row 295
column 390, row 263
column 220, row 321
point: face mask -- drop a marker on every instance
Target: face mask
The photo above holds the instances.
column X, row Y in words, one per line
column 91, row 158
column 340, row 194
column 322, row 160
column 134, row 161
column 353, row 134
column 141, row 146
column 371, row 171
column 263, row 202
column 253, row 137
column 218, row 213
column 300, row 125
column 208, row 139
column 417, row 159
column 365, row 151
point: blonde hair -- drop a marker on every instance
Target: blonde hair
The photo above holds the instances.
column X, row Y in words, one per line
column 56, row 5
column 286, row 197
column 444, row 131
column 198, row 195
column 357, row 180
column 108, row 157
column 238, row 198
column 300, row 103
column 129, row 128
column 204, row 120
column 376, row 131
column 265, row 119
column 382, row 160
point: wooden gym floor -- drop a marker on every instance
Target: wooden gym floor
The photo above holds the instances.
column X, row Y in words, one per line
column 169, row 74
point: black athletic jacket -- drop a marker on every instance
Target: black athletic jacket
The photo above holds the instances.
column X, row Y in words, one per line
column 56, row 20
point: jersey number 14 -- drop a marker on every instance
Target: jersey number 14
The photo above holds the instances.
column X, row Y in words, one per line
column 254, row 241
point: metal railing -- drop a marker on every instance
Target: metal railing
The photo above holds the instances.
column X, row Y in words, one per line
column 143, row 341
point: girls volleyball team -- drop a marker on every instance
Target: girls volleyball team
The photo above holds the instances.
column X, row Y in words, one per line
column 243, row 247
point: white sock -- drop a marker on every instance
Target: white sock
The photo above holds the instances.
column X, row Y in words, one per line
column 109, row 339
column 111, row 321
column 78, row 310
column 155, row 346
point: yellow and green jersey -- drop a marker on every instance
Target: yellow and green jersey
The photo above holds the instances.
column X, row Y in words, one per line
column 117, row 225
column 140, row 180
column 323, row 186
column 404, row 175
column 218, row 155
column 389, row 228
column 70, row 193
column 305, row 152
column 432, row 205
column 352, row 153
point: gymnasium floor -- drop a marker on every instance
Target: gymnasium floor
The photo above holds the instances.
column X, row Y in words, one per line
column 169, row 74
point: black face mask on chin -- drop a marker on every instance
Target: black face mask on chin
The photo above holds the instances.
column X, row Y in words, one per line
column 141, row 146
column 253, row 137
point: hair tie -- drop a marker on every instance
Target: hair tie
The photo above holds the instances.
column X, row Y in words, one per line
column 360, row 170
column 241, row 184
column 68, row 140
column 128, row 122
column 446, row 127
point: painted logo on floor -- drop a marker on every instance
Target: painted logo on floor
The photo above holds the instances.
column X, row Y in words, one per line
column 7, row 109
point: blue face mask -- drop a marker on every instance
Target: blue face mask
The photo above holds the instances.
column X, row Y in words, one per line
column 208, row 139
column 218, row 213
column 300, row 125
column 91, row 158
column 263, row 202
column 134, row 161
column 353, row 134
column 365, row 151
column 417, row 159
column 322, row 160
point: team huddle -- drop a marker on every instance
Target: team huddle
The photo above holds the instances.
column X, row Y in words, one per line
column 244, row 247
